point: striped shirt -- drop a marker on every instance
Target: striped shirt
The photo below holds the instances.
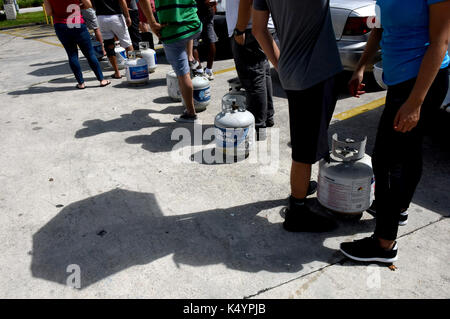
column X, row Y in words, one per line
column 180, row 18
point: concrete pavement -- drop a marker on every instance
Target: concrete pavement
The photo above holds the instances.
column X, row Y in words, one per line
column 90, row 178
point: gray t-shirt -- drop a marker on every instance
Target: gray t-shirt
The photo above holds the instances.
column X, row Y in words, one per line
column 308, row 50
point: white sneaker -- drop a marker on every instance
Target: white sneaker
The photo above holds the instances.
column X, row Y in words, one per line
column 194, row 64
column 209, row 74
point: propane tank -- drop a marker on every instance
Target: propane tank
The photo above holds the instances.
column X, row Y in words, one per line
column 235, row 126
column 121, row 55
column 98, row 48
column 173, row 88
column 346, row 183
column 149, row 55
column 136, row 69
column 202, row 93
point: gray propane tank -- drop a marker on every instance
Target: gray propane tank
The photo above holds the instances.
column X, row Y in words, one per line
column 136, row 69
column 346, row 184
column 235, row 126
column 202, row 93
column 149, row 55
column 173, row 88
column 121, row 55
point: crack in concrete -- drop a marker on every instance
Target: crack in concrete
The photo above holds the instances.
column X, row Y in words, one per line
column 338, row 262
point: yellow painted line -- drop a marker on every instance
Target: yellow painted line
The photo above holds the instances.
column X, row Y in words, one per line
column 27, row 37
column 360, row 109
column 225, row 70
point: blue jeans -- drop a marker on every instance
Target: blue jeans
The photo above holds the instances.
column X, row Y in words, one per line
column 177, row 56
column 70, row 39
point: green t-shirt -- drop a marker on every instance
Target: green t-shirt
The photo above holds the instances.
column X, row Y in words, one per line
column 180, row 17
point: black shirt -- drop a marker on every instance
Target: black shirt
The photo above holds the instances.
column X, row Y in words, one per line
column 107, row 7
column 204, row 11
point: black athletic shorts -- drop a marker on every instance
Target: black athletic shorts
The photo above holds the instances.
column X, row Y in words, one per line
column 208, row 35
column 310, row 113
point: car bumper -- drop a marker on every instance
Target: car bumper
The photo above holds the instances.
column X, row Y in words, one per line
column 351, row 52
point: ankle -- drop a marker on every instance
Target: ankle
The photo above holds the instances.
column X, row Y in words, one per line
column 386, row 244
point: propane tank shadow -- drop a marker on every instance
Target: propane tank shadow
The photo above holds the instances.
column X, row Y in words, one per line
column 211, row 156
column 150, row 84
column 110, row 232
column 164, row 100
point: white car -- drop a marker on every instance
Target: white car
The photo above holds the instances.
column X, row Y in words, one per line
column 351, row 20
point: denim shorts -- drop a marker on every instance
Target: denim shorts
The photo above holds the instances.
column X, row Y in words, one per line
column 177, row 56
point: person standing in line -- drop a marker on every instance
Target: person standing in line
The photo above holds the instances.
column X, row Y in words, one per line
column 414, row 37
column 144, row 27
column 114, row 20
column 307, row 62
column 133, row 29
column 90, row 19
column 178, row 24
column 206, row 11
column 251, row 63
column 74, row 36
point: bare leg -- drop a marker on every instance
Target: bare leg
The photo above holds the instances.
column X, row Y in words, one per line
column 211, row 55
column 187, row 91
column 197, row 57
column 190, row 50
column 113, row 61
column 300, row 177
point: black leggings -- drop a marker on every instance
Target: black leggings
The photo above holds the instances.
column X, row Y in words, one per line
column 397, row 157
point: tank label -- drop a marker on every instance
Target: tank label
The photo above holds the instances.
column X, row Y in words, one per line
column 138, row 72
column 203, row 95
column 345, row 196
column 233, row 138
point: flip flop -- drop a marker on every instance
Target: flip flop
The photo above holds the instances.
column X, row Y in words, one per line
column 79, row 87
column 115, row 77
column 106, row 84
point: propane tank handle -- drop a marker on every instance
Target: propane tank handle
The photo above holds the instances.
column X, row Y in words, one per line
column 144, row 45
column 348, row 150
column 131, row 55
column 235, row 85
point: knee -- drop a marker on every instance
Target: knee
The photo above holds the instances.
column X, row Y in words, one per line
column 109, row 47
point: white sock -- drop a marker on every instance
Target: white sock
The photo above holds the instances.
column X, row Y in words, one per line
column 209, row 71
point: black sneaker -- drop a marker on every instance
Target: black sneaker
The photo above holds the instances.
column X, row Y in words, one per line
column 312, row 188
column 368, row 249
column 299, row 218
column 372, row 210
column 186, row 118
column 270, row 123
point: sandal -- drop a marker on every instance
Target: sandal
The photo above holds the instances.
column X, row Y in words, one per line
column 105, row 84
column 115, row 77
column 79, row 87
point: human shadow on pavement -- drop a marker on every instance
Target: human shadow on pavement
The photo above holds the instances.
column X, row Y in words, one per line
column 36, row 89
column 135, row 121
column 110, row 232
column 167, row 137
column 432, row 192
column 159, row 140
column 59, row 68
